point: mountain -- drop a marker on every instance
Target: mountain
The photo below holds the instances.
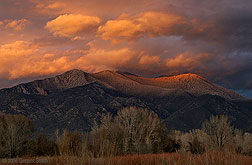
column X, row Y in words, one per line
column 74, row 99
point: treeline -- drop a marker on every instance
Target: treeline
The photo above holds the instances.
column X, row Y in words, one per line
column 132, row 131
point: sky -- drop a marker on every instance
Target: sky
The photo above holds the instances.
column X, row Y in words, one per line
column 42, row 38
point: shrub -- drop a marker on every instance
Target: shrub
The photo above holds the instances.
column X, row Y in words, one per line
column 44, row 147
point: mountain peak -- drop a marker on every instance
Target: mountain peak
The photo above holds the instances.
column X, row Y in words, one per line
column 69, row 79
column 188, row 76
column 106, row 71
column 71, row 75
column 74, row 71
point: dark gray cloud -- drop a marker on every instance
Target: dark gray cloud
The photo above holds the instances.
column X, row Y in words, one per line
column 229, row 38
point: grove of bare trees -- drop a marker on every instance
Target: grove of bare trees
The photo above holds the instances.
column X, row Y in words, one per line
column 132, row 131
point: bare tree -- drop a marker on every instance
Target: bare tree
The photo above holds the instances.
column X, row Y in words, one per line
column 14, row 133
column 70, row 143
column 141, row 129
column 243, row 142
column 219, row 130
column 194, row 141
column 105, row 138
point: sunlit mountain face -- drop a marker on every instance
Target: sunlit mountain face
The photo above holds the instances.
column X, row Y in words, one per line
column 42, row 38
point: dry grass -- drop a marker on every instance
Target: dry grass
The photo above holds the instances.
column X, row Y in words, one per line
column 214, row 158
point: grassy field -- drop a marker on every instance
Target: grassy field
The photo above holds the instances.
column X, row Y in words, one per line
column 214, row 158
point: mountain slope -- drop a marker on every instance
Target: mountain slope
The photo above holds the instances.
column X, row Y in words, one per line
column 131, row 87
column 190, row 83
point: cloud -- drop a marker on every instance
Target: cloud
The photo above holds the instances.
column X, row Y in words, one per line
column 15, row 25
column 56, row 5
column 100, row 57
column 22, row 59
column 150, row 24
column 10, row 54
column 69, row 25
column 188, row 60
column 111, row 8
column 146, row 60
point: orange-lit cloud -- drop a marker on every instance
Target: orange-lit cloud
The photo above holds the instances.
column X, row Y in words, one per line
column 146, row 60
column 182, row 60
column 70, row 25
column 16, row 25
column 94, row 7
column 11, row 55
column 150, row 24
column 56, row 5
column 23, row 59
column 100, row 58
column 48, row 7
column 190, row 62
